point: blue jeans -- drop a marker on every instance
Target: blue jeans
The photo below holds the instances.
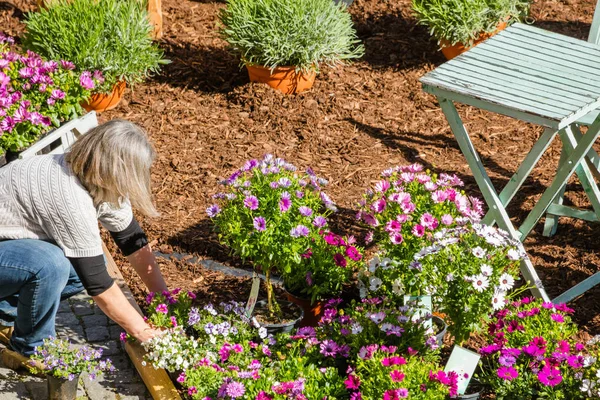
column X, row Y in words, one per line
column 35, row 276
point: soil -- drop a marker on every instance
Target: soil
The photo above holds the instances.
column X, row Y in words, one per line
column 205, row 119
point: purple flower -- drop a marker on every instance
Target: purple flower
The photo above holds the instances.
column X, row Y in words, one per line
column 51, row 101
column 418, row 230
column 353, row 253
column 7, row 124
column 299, row 230
column 507, row 360
column 251, row 202
column 181, row 377
column 305, row 211
column 575, row 361
column 396, row 238
column 340, row 260
column 235, row 390
column 285, row 203
column 557, row 318
column 319, row 221
column 308, row 277
column 284, row 182
column 99, row 77
column 57, row 94
column 86, row 81
column 67, row 65
column 379, row 205
column 507, row 373
column 260, row 224
column 162, row 308
column 213, row 210
column 26, row 72
column 329, row 348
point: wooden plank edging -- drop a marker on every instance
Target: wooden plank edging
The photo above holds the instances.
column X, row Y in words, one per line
column 157, row 381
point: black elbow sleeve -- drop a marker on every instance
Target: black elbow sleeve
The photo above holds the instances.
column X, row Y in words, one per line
column 93, row 274
column 131, row 239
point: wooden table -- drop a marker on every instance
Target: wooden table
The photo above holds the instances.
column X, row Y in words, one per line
column 538, row 77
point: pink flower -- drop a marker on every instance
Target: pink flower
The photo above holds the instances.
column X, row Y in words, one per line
column 397, row 376
column 57, row 94
column 162, row 308
column 550, row 376
column 173, row 321
column 181, row 377
column 429, row 221
column 396, row 238
column 382, row 186
column 418, row 230
column 369, row 237
column 332, row 239
column 393, row 226
column 352, row 382
column 557, row 318
column 67, row 65
column 439, row 196
column 353, row 253
column 99, row 77
column 192, row 391
column 86, row 81
column 123, row 336
column 507, row 373
column 379, row 205
column 447, row 219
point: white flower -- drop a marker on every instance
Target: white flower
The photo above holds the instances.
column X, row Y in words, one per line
column 398, row 287
column 506, row 282
column 478, row 252
column 356, row 328
column 255, row 323
column 386, row 327
column 375, row 284
column 374, row 264
column 386, row 263
column 402, row 319
column 449, row 277
column 480, row 283
column 498, row 299
column 486, row 270
column 587, row 386
column 415, row 265
column 589, row 360
column 513, row 254
column 262, row 332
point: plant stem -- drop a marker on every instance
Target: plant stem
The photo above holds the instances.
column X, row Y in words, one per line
column 273, row 306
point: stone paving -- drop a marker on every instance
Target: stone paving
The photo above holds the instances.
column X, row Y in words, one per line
column 82, row 322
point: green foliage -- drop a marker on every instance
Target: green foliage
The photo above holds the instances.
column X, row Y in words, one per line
column 300, row 33
column 464, row 20
column 112, row 36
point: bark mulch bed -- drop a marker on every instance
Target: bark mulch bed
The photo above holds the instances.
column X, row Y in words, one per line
column 205, row 120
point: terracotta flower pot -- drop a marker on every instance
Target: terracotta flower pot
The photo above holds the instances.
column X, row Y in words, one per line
column 284, row 79
column 451, row 51
column 100, row 102
column 312, row 312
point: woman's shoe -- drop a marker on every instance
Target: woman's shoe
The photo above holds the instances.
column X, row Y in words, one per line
column 5, row 333
column 13, row 360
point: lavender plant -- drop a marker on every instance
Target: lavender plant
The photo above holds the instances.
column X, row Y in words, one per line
column 64, row 360
column 37, row 95
column 271, row 214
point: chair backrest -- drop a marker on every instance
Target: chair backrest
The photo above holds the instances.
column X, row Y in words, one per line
column 594, row 36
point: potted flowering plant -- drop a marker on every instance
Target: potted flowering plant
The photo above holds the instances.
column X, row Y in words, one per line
column 468, row 272
column 409, row 205
column 264, row 217
column 113, row 36
column 283, row 43
column 388, row 375
column 532, row 353
column 37, row 95
column 326, row 267
column 461, row 24
column 64, row 363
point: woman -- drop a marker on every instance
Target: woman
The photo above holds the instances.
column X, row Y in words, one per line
column 50, row 245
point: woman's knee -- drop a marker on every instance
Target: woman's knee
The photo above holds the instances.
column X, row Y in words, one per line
column 43, row 259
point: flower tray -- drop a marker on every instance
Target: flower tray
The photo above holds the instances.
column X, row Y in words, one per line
column 60, row 140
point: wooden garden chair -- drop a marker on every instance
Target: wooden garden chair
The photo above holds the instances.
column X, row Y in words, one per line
column 542, row 78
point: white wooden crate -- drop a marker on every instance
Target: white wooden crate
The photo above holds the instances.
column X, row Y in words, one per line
column 60, row 140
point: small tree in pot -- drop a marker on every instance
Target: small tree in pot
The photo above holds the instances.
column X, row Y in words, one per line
column 283, row 43
column 461, row 24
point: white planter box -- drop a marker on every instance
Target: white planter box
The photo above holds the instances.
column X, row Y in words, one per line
column 60, row 140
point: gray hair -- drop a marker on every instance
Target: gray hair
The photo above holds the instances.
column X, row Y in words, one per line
column 112, row 161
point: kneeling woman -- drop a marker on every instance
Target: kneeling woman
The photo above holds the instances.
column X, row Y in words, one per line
column 50, row 245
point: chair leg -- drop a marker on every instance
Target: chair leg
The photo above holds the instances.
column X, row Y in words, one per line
column 551, row 223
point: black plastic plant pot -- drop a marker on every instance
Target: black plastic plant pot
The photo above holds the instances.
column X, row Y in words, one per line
column 284, row 327
column 474, row 390
column 62, row 389
column 441, row 330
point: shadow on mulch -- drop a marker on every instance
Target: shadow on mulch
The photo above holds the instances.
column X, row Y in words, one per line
column 576, row 29
column 393, row 41
column 17, row 12
column 201, row 68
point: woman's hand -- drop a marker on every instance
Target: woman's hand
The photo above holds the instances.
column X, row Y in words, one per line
column 146, row 334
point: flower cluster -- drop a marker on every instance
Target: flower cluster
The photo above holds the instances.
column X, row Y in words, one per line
column 409, row 205
column 36, row 95
column 326, row 266
column 467, row 270
column 169, row 309
column 271, row 214
column 64, row 360
column 532, row 352
column 358, row 329
column 386, row 375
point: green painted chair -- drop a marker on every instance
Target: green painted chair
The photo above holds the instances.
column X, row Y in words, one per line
column 542, row 78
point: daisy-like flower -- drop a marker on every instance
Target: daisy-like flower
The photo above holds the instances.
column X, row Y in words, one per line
column 374, row 284
column 213, row 210
column 513, row 255
column 478, row 252
column 486, row 270
column 481, row 282
column 251, row 202
column 398, row 287
column 587, row 387
column 506, row 282
column 377, row 317
column 499, row 299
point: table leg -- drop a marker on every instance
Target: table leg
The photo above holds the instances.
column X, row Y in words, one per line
column 488, row 191
column 562, row 176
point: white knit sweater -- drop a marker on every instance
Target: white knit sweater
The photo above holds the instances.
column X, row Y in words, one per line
column 40, row 198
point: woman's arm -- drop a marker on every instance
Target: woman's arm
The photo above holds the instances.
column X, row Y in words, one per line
column 144, row 263
column 116, row 306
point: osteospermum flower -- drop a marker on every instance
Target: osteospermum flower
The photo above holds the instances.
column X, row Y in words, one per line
column 162, row 308
column 486, row 270
column 299, row 231
column 305, row 211
column 213, row 211
column 480, row 282
column 260, row 224
column 506, row 282
column 507, row 373
column 319, row 221
column 251, row 202
column 550, row 376
column 498, row 300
